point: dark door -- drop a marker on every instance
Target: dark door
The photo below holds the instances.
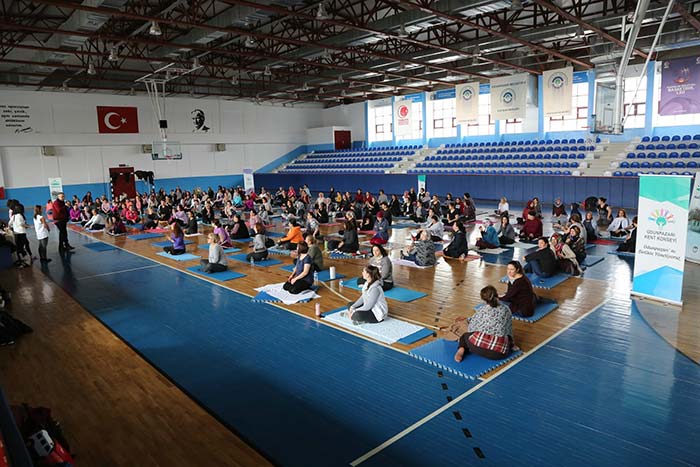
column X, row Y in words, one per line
column 342, row 139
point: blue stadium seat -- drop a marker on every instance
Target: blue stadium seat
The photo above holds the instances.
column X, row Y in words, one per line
column 692, row 165
column 617, row 173
column 686, row 138
column 652, row 155
column 636, row 165
column 624, row 165
column 673, row 155
column 665, row 138
column 670, row 146
column 663, row 155
column 631, row 155
column 681, row 146
column 656, row 165
column 679, row 165
column 654, row 139
column 646, row 139
column 629, row 174
column 668, row 165
column 685, row 155
column 675, row 138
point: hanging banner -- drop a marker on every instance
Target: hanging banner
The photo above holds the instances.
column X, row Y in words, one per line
column 680, row 87
column 402, row 113
column 248, row 181
column 421, row 183
column 55, row 187
column 558, row 86
column 662, row 230
column 692, row 252
column 509, row 96
column 467, row 102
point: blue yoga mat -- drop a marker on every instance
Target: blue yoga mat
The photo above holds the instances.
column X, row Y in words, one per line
column 226, row 250
column 592, row 260
column 543, row 283
column 264, row 263
column 338, row 255
column 267, row 298
column 219, row 276
column 621, row 253
column 323, row 275
column 169, row 243
column 100, row 246
column 590, row 245
column 440, row 353
column 134, row 226
column 405, row 226
column 182, row 257
column 144, row 236
column 274, row 234
column 543, row 308
column 397, row 293
column 278, row 251
column 416, row 336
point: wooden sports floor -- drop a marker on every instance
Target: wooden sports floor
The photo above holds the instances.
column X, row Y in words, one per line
column 115, row 407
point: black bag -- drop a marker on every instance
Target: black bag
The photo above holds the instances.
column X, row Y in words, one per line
column 11, row 327
column 269, row 242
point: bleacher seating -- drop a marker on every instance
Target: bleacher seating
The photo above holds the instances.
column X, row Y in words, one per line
column 360, row 160
column 674, row 155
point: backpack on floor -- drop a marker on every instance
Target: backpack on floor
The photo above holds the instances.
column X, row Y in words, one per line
column 43, row 435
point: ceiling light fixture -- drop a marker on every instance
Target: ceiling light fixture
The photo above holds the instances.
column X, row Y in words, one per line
column 402, row 31
column 250, row 42
column 321, row 13
column 268, row 71
column 579, row 34
column 385, row 77
column 64, row 86
column 316, row 98
column 305, row 87
column 234, row 81
column 91, row 70
column 113, row 55
column 516, row 5
column 195, row 63
column 340, row 79
column 132, row 92
column 155, row 29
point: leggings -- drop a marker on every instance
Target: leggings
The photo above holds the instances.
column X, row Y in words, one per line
column 206, row 266
column 172, row 251
column 256, row 256
column 297, row 287
column 42, row 247
column 22, row 244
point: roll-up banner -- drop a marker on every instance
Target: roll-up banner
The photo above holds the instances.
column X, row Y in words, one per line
column 662, row 230
column 680, row 86
column 248, row 181
column 558, row 86
column 692, row 251
column 467, row 95
column 509, row 96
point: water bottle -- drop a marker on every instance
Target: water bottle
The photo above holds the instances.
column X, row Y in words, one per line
column 315, row 277
column 325, row 245
column 252, row 261
column 341, row 283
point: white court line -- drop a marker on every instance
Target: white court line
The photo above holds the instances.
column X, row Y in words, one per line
column 116, row 272
column 461, row 397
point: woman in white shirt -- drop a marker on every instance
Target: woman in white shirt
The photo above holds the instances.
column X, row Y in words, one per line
column 371, row 307
column 18, row 224
column 503, row 207
column 217, row 259
column 42, row 233
column 96, row 222
column 618, row 227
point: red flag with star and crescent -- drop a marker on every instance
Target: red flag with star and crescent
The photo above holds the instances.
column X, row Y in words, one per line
column 117, row 119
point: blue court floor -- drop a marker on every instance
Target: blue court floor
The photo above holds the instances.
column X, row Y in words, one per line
column 607, row 391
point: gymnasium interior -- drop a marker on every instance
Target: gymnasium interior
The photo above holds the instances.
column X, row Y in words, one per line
column 144, row 358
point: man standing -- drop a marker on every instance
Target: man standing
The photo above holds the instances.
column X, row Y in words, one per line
column 60, row 218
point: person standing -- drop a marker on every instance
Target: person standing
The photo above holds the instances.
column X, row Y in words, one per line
column 60, row 219
column 42, row 233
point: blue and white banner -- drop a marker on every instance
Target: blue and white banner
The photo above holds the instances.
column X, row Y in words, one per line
column 558, row 86
column 248, row 180
column 692, row 252
column 662, row 231
column 467, row 108
column 509, row 96
column 402, row 117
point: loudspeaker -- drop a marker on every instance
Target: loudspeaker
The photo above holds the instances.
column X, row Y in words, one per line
column 48, row 151
column 220, row 147
column 163, row 124
column 147, row 148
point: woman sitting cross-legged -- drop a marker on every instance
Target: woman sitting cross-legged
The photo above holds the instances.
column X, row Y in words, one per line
column 520, row 295
column 222, row 233
column 371, row 307
column 565, row 255
column 96, row 222
column 293, row 237
column 381, row 230
column 117, row 226
column 150, row 219
column 192, row 226
column 458, row 246
column 302, row 278
column 542, row 262
column 380, row 260
column 630, row 243
column 350, row 242
column 259, row 245
column 489, row 236
column 619, row 227
column 506, row 232
column 178, row 241
column 490, row 331
column 217, row 261
column 237, row 229
column 422, row 252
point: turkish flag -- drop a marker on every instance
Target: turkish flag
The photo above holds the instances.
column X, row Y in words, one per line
column 117, row 119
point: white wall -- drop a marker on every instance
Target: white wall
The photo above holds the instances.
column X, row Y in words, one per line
column 352, row 116
column 254, row 136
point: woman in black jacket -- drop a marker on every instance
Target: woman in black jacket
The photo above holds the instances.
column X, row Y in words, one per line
column 458, row 246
